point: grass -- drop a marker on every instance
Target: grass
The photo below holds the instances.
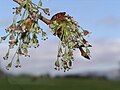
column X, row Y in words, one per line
column 27, row 83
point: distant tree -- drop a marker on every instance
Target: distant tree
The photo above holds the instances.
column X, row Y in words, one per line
column 1, row 74
column 24, row 30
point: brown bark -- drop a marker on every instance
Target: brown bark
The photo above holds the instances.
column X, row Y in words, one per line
column 44, row 19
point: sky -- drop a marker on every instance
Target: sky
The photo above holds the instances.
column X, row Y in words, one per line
column 101, row 17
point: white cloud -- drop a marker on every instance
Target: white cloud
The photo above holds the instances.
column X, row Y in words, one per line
column 105, row 56
column 110, row 21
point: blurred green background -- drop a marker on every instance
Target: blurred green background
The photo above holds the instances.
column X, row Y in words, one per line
column 46, row 82
column 33, row 83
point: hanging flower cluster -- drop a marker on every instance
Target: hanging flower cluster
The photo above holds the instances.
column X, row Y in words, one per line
column 71, row 36
column 23, row 34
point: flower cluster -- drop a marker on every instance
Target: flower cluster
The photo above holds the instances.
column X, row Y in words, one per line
column 71, row 36
column 23, row 33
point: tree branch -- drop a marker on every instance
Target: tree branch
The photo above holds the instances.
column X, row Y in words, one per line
column 42, row 18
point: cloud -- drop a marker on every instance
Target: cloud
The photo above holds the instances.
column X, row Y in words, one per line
column 105, row 56
column 109, row 21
